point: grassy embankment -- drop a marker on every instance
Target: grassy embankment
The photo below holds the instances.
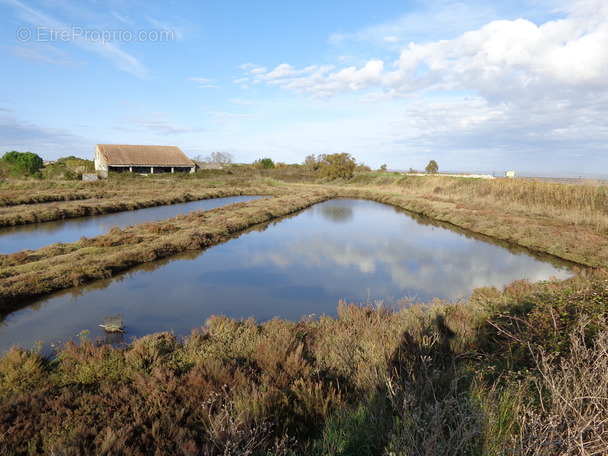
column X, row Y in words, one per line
column 522, row 370
column 46, row 201
column 567, row 221
column 31, row 273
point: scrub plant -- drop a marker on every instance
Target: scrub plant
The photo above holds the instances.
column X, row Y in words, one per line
column 520, row 370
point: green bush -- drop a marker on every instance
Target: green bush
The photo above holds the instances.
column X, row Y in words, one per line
column 265, row 163
column 22, row 164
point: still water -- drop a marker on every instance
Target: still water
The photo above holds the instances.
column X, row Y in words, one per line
column 301, row 265
column 34, row 236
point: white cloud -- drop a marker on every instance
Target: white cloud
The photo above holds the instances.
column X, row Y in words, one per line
column 203, row 83
column 282, row 71
column 498, row 58
column 121, row 59
column 45, row 24
column 164, row 26
column 122, row 18
column 516, row 93
column 258, row 70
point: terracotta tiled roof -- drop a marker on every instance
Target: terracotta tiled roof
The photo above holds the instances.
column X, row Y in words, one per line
column 120, row 154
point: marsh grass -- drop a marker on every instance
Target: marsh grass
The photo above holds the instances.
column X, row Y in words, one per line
column 110, row 202
column 34, row 192
column 58, row 266
column 585, row 205
column 566, row 221
column 410, row 380
column 507, row 210
column 522, row 370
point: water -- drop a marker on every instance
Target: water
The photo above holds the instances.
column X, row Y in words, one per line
column 34, row 236
column 301, row 265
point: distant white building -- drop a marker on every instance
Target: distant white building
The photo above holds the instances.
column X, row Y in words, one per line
column 510, row 174
column 141, row 159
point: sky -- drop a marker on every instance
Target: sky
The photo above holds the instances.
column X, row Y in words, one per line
column 476, row 85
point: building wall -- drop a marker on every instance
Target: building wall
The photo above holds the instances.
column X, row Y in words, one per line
column 102, row 168
column 100, row 163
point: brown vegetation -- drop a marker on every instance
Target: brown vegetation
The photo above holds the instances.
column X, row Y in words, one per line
column 104, row 203
column 567, row 221
column 440, row 379
column 523, row 370
column 27, row 274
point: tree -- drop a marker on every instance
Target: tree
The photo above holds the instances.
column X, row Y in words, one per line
column 432, row 167
column 334, row 166
column 220, row 158
column 311, row 163
column 383, row 168
column 266, row 163
column 22, row 163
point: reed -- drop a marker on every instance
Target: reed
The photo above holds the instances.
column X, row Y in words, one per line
column 110, row 203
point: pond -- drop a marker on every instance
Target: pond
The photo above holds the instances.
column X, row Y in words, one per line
column 34, row 236
column 301, row 265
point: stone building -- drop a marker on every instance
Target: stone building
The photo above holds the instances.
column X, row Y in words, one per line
column 141, row 159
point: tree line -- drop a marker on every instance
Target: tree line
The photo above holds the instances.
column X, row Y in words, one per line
column 326, row 166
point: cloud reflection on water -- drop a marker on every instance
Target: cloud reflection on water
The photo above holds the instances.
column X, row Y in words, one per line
column 295, row 266
column 427, row 260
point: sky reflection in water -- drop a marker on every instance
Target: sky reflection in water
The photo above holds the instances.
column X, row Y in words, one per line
column 34, row 236
column 301, row 265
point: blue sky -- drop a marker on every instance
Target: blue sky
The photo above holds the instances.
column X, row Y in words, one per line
column 475, row 85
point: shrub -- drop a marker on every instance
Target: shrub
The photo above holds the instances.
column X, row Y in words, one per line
column 336, row 166
column 152, row 351
column 90, row 363
column 21, row 371
column 432, row 167
column 22, row 163
column 571, row 419
column 264, row 163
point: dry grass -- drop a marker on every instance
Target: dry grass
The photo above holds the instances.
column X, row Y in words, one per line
column 583, row 205
column 437, row 379
column 523, row 370
column 486, row 207
column 572, row 417
column 136, row 198
column 558, row 405
column 64, row 265
column 566, row 221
